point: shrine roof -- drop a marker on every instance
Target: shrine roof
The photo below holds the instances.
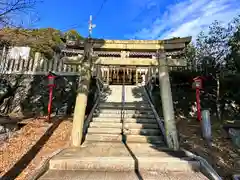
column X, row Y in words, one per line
column 138, row 45
column 164, row 41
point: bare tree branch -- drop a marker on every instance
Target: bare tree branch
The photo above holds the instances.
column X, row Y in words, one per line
column 11, row 8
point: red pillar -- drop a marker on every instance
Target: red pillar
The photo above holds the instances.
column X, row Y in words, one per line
column 198, row 104
column 50, row 102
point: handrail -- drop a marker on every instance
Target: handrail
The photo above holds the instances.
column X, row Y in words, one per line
column 100, row 81
column 209, row 171
column 150, row 100
column 159, row 121
column 123, row 111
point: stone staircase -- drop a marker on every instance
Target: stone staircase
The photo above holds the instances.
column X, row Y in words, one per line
column 135, row 123
column 123, row 141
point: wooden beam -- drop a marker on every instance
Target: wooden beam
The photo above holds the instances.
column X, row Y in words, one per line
column 137, row 61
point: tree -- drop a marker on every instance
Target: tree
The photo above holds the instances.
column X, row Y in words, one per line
column 212, row 48
column 215, row 54
column 73, row 35
column 209, row 56
column 233, row 60
column 190, row 56
column 10, row 9
column 44, row 40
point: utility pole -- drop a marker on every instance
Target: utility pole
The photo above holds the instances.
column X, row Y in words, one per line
column 91, row 26
column 167, row 102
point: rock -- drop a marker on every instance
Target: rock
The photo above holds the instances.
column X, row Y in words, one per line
column 3, row 137
column 2, row 129
column 237, row 164
column 234, row 155
column 11, row 127
column 235, row 136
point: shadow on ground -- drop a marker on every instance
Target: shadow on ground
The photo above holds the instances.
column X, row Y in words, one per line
column 21, row 164
column 154, row 143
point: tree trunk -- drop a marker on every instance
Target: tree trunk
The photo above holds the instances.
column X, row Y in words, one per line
column 218, row 103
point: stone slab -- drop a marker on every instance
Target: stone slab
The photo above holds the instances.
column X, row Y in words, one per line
column 144, row 139
column 141, row 126
column 104, row 137
column 140, row 120
column 106, row 125
column 99, row 119
column 120, row 111
column 151, row 116
column 102, row 175
column 110, row 156
column 155, row 158
column 148, row 132
column 104, row 130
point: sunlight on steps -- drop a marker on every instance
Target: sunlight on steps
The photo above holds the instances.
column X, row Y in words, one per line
column 123, row 143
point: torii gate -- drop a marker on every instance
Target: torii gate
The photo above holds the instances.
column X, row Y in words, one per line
column 86, row 62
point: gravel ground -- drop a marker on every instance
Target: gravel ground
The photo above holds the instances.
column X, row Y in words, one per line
column 23, row 153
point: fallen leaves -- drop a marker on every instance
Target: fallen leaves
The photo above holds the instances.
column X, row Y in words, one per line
column 52, row 136
column 219, row 155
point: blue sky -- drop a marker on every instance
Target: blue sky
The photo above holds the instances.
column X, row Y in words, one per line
column 136, row 19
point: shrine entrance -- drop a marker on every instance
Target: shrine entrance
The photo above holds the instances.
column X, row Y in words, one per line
column 122, row 75
column 116, row 75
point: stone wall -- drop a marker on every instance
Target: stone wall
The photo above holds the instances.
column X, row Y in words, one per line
column 27, row 95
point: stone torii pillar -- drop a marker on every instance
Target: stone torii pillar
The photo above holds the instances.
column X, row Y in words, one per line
column 85, row 61
column 167, row 102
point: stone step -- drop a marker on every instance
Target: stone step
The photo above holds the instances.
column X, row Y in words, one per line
column 109, row 111
column 140, row 120
column 164, row 164
column 119, row 111
column 120, row 105
column 104, row 137
column 107, row 115
column 126, row 103
column 117, row 157
column 148, row 132
column 144, row 139
column 96, row 156
column 140, row 126
column 126, row 164
column 146, row 108
column 139, row 116
column 93, row 130
column 126, row 115
column 126, row 120
column 100, row 175
column 105, row 125
column 106, row 120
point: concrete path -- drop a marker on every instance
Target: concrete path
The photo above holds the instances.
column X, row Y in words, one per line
column 132, row 94
column 115, row 94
